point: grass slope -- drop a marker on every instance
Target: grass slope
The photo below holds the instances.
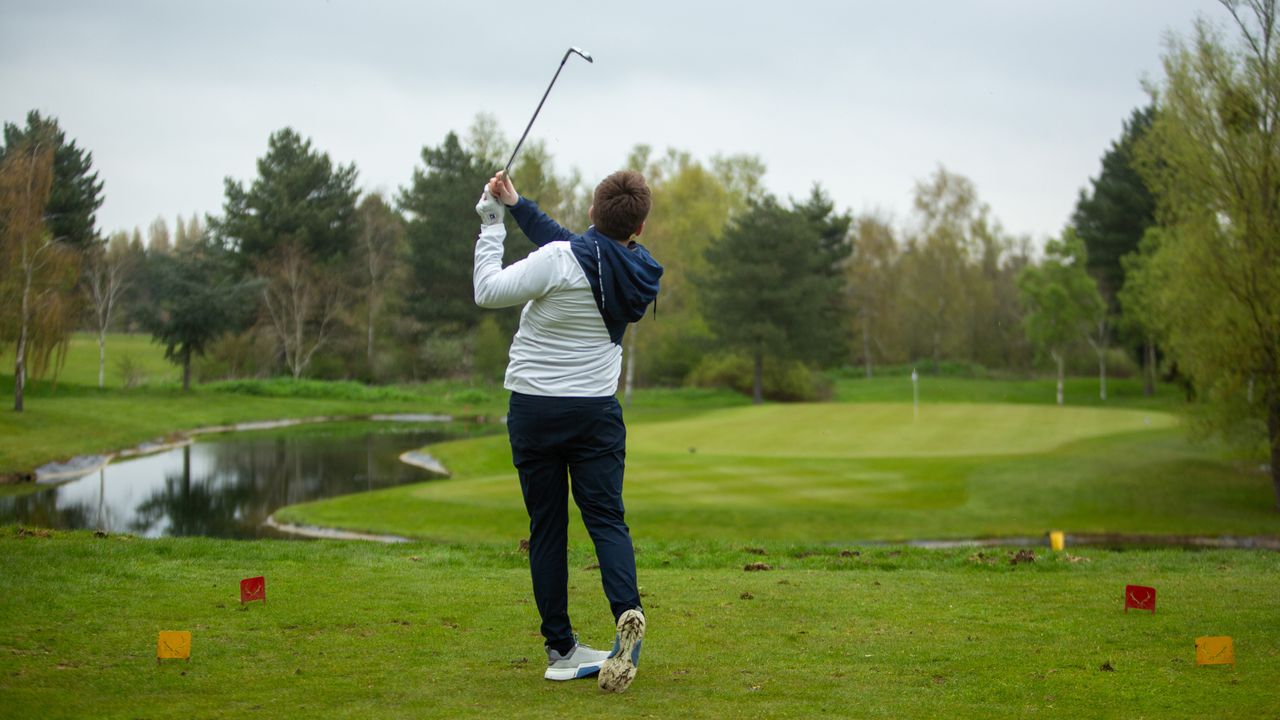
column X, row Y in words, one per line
column 837, row 473
column 865, row 430
column 81, row 366
column 371, row 631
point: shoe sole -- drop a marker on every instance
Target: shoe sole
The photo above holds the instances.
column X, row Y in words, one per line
column 585, row 670
column 618, row 671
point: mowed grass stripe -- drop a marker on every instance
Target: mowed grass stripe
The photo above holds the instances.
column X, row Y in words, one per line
column 888, row 430
column 1144, row 481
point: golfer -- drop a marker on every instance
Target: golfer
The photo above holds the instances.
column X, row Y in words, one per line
column 579, row 293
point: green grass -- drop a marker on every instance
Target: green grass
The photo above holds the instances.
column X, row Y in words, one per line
column 839, row 473
column 448, row 628
column 81, row 367
column 887, row 430
column 70, row 423
column 436, row 631
column 896, row 388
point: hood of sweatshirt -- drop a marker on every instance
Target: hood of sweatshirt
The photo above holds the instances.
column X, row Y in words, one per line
column 624, row 280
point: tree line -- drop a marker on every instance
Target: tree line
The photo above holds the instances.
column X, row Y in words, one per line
column 1170, row 264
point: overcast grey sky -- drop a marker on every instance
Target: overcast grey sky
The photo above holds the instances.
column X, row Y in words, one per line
column 1022, row 96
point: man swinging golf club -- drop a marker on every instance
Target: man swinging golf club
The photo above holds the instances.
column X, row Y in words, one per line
column 579, row 293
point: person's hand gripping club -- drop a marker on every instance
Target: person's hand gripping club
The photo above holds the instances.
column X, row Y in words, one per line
column 499, row 188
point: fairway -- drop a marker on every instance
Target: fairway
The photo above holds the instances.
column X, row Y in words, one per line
column 854, row 472
column 868, row 430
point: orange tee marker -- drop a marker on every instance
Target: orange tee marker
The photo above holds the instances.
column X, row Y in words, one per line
column 1217, row 650
column 254, row 588
column 175, row 644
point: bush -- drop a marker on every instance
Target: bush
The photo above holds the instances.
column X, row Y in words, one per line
column 668, row 351
column 489, row 356
column 784, row 380
column 235, row 355
column 476, row 395
column 320, row 389
column 442, row 356
column 924, row 366
column 131, row 373
column 1084, row 363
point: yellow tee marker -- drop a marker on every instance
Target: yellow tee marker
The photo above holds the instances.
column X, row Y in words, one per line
column 1217, row 650
column 174, row 644
column 1057, row 539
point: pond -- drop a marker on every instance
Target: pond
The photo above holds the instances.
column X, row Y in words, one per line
column 228, row 485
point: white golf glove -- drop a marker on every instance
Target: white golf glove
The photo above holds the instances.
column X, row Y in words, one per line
column 489, row 209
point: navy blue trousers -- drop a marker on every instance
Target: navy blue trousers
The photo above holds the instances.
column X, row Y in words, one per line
column 554, row 439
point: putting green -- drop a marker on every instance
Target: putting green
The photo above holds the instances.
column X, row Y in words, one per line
column 868, row 430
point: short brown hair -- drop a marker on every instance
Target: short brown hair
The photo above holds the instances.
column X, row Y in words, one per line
column 621, row 204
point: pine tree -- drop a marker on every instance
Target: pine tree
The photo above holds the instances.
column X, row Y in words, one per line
column 76, row 193
column 1112, row 218
column 191, row 297
column 770, row 286
column 439, row 206
column 299, row 196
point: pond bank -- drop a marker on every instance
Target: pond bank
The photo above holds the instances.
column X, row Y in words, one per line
column 229, row 484
column 416, row 458
column 81, row 465
column 321, row 533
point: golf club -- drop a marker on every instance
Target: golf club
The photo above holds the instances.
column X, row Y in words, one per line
column 573, row 50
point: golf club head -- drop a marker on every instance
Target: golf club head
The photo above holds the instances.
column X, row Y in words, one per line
column 582, row 54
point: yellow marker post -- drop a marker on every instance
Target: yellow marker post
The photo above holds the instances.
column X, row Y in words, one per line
column 1215, row 650
column 173, row 644
column 1057, row 540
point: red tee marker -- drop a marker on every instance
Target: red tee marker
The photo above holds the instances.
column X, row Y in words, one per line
column 1139, row 597
column 254, row 588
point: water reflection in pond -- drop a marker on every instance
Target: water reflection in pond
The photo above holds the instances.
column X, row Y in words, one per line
column 227, row 485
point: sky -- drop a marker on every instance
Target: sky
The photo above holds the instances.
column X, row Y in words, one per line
column 866, row 98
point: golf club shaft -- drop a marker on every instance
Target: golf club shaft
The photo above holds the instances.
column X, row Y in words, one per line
column 507, row 171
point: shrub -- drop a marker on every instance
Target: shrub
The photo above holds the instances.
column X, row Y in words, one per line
column 325, row 389
column 490, row 345
column 131, row 373
column 442, row 356
column 474, row 396
column 235, row 355
column 924, row 366
column 784, row 380
column 1084, row 363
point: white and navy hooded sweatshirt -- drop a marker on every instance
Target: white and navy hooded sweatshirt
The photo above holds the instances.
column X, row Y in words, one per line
column 580, row 291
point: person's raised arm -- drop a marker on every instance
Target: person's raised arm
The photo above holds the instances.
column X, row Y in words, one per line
column 535, row 224
column 499, row 287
